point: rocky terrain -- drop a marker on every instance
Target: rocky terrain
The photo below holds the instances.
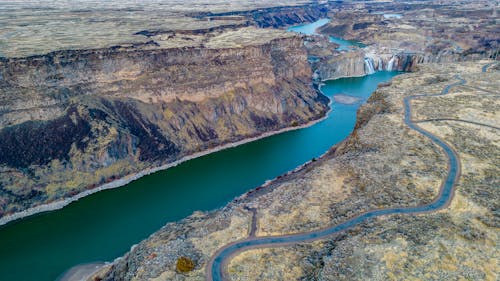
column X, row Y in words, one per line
column 382, row 164
column 72, row 120
column 103, row 106
column 398, row 36
column 107, row 99
column 30, row 27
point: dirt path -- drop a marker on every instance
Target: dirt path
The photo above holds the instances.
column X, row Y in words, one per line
column 457, row 120
column 215, row 269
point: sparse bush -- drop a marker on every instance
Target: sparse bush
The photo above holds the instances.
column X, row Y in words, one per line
column 184, row 264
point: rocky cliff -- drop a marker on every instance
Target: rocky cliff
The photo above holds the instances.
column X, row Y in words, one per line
column 401, row 36
column 277, row 16
column 329, row 63
column 74, row 120
column 382, row 164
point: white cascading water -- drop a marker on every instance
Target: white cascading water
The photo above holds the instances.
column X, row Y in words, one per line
column 390, row 64
column 380, row 64
column 369, row 68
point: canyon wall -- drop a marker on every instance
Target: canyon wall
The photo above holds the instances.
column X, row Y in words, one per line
column 349, row 180
column 276, row 16
column 74, row 120
column 349, row 64
column 403, row 38
column 360, row 62
column 328, row 63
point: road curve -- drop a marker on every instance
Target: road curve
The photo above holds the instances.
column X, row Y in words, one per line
column 457, row 120
column 216, row 267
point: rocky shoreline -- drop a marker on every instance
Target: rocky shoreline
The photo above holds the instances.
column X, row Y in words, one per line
column 327, row 190
column 173, row 95
column 142, row 108
column 128, row 179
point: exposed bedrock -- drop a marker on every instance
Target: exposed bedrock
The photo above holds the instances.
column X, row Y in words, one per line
column 327, row 63
column 382, row 164
column 410, row 37
column 277, row 16
column 365, row 61
column 72, row 120
column 406, row 61
column 343, row 65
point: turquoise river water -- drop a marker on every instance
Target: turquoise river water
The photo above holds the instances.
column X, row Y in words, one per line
column 105, row 225
column 344, row 45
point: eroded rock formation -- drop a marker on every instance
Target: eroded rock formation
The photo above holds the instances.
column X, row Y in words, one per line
column 401, row 36
column 381, row 164
column 73, row 120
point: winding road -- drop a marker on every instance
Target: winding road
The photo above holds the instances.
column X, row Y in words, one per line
column 457, row 120
column 217, row 265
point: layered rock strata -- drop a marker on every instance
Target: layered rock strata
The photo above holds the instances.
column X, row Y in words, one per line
column 401, row 36
column 382, row 164
column 74, row 120
column 276, row 16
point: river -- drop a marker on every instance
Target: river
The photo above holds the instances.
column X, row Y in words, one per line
column 442, row 200
column 344, row 45
column 105, row 225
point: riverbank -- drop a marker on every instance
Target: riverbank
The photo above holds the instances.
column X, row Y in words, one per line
column 130, row 178
column 217, row 267
column 380, row 243
column 81, row 272
column 358, row 176
column 239, row 225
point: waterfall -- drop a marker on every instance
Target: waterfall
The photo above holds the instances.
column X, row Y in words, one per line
column 390, row 64
column 380, row 64
column 369, row 68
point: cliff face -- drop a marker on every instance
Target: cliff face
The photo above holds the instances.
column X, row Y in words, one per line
column 72, row 120
column 408, row 61
column 382, row 164
column 328, row 63
column 348, row 64
column 399, row 37
column 277, row 16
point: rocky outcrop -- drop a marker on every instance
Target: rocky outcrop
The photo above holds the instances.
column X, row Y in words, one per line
column 407, row 61
column 349, row 64
column 328, row 63
column 73, row 120
column 407, row 38
column 349, row 24
column 381, row 164
column 276, row 16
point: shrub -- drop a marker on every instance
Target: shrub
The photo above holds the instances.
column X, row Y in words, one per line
column 184, row 264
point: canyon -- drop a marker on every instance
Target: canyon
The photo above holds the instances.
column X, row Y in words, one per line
column 382, row 164
column 86, row 117
column 170, row 93
column 101, row 105
column 399, row 36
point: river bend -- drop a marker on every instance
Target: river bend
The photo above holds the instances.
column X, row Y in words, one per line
column 215, row 269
